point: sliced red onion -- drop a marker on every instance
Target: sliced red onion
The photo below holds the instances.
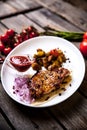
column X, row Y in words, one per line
column 21, row 89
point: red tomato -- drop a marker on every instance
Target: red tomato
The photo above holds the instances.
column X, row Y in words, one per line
column 29, row 29
column 54, row 52
column 33, row 34
column 83, row 47
column 24, row 35
column 4, row 38
column 24, row 32
column 1, row 46
column 10, row 32
column 16, row 44
column 7, row 50
column 85, row 36
column 19, row 38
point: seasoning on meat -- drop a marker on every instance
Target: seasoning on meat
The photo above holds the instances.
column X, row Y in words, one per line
column 46, row 81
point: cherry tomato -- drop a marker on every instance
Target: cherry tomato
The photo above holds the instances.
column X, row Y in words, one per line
column 7, row 50
column 24, row 32
column 1, row 46
column 24, row 35
column 16, row 44
column 83, row 47
column 85, row 36
column 29, row 29
column 4, row 38
column 10, row 32
column 54, row 52
column 32, row 34
column 19, row 38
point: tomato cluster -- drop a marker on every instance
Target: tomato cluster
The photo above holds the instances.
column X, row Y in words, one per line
column 11, row 39
column 83, row 45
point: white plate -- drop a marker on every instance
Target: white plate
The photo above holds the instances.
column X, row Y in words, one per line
column 47, row 43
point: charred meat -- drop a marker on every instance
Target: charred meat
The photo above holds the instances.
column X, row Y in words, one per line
column 45, row 81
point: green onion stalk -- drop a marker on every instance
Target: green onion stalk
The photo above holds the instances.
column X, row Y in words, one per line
column 71, row 36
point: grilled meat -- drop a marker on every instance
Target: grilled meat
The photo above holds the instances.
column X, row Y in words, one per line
column 46, row 81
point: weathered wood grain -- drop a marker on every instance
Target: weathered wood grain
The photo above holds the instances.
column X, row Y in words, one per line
column 2, row 29
column 78, row 3
column 44, row 17
column 6, row 9
column 11, row 7
column 3, row 124
column 19, row 22
column 45, row 2
column 24, row 5
column 74, row 15
column 72, row 112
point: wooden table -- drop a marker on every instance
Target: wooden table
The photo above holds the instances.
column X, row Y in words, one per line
column 64, row 15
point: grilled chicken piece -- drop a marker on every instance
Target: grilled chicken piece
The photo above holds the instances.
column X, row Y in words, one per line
column 46, row 81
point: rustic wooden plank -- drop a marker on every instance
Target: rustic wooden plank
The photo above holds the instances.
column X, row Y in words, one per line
column 44, row 19
column 72, row 113
column 2, row 29
column 3, row 124
column 76, row 16
column 10, row 7
column 52, row 20
column 19, row 22
column 46, row 2
column 79, row 3
column 25, row 118
column 6, row 9
column 23, row 5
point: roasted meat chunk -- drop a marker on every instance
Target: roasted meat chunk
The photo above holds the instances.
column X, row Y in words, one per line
column 45, row 81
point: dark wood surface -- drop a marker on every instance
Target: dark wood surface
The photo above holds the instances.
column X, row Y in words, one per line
column 64, row 15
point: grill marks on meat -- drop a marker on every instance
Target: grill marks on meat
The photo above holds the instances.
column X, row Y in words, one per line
column 46, row 81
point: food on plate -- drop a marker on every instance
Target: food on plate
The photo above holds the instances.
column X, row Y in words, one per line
column 49, row 76
column 31, row 89
column 49, row 60
column 46, row 81
column 21, row 89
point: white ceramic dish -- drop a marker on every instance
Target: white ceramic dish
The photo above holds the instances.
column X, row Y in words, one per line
column 76, row 65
